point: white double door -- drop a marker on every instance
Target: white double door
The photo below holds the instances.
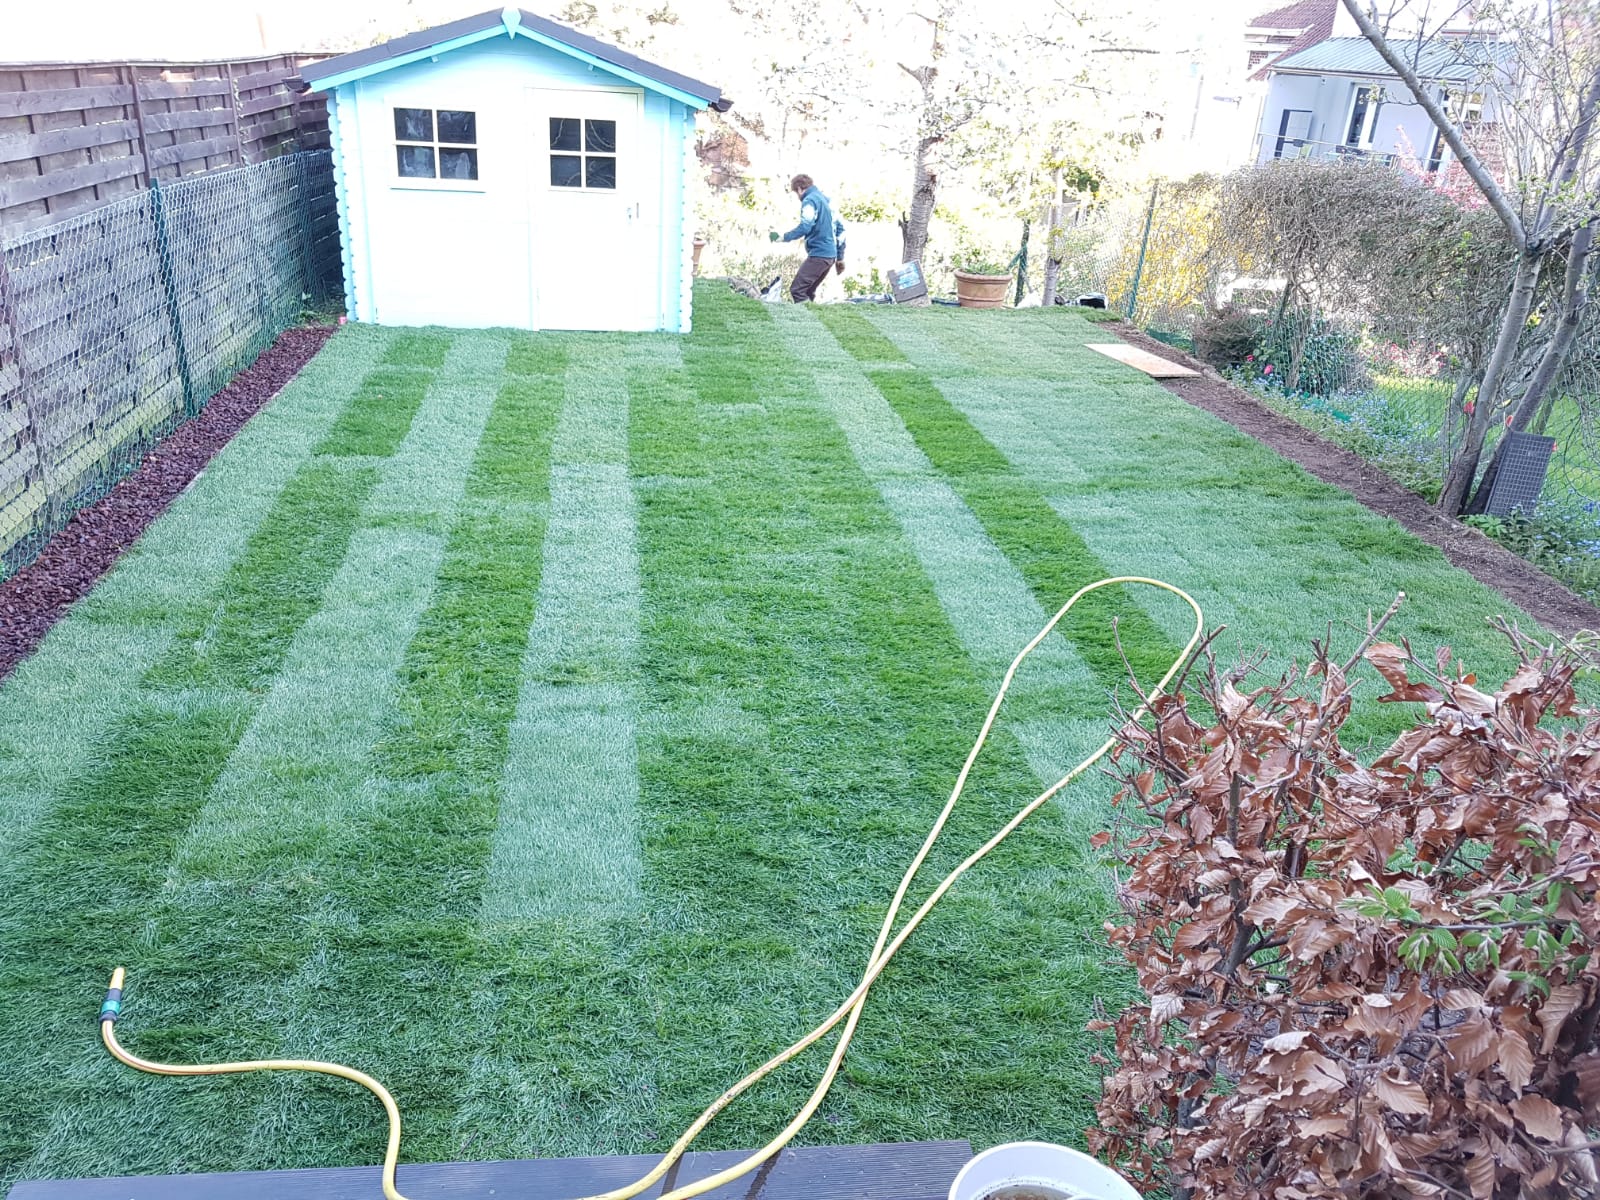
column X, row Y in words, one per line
column 593, row 248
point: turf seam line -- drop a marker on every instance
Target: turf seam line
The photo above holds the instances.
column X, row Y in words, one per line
column 1050, row 554
column 567, row 839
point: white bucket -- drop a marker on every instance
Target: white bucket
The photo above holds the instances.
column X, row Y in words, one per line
column 1041, row 1164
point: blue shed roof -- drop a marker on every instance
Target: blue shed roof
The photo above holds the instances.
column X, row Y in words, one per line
column 1457, row 60
column 512, row 22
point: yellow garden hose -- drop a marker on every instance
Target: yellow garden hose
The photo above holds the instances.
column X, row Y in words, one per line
column 849, row 1011
column 112, row 1008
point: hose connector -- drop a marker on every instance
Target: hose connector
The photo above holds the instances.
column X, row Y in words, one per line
column 111, row 1009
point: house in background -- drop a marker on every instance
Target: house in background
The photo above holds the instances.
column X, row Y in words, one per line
column 503, row 170
column 1287, row 30
column 1337, row 98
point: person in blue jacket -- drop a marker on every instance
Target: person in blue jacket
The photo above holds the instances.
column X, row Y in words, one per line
column 823, row 235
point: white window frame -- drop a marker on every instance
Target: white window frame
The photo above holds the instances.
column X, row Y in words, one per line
column 420, row 183
column 1282, row 142
column 1378, row 94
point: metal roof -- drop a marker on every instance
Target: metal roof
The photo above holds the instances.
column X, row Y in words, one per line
column 1455, row 59
column 406, row 49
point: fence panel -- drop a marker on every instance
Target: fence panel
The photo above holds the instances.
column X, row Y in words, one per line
column 77, row 135
column 116, row 326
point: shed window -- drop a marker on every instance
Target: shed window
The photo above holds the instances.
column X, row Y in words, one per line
column 583, row 154
column 436, row 143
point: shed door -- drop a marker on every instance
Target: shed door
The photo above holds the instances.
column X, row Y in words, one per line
column 587, row 215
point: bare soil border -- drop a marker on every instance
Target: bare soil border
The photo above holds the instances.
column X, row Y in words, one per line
column 73, row 561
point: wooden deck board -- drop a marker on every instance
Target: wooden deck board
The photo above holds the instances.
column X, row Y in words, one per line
column 896, row 1171
column 1152, row 365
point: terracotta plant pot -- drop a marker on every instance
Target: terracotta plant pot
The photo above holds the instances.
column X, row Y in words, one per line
column 982, row 291
column 699, row 245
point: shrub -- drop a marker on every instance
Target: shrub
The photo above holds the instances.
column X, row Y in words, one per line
column 1330, row 358
column 1227, row 337
column 1364, row 981
column 1563, row 541
column 975, row 261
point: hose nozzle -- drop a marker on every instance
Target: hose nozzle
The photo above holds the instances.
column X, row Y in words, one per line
column 111, row 1009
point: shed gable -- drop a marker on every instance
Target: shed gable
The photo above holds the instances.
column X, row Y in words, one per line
column 513, row 23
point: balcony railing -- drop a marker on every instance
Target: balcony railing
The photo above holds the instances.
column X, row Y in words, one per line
column 1307, row 149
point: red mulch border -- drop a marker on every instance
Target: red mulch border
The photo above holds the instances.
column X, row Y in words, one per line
column 73, row 561
column 1560, row 610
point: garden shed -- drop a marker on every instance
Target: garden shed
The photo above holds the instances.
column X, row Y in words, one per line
column 504, row 170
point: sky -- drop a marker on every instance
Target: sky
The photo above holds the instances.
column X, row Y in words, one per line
column 121, row 30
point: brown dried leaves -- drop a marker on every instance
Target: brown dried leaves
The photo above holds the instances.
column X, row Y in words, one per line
column 1365, row 981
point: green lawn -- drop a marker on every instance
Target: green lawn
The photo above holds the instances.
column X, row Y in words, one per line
column 541, row 723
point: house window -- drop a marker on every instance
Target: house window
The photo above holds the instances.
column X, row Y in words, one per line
column 436, row 143
column 583, row 153
column 1294, row 127
column 1364, row 116
column 1436, row 156
column 1469, row 108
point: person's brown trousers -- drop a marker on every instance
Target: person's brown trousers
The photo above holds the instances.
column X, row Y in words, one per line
column 811, row 273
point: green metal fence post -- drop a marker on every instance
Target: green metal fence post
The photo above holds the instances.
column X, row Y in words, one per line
column 169, row 283
column 313, row 287
column 1022, row 265
column 1144, row 246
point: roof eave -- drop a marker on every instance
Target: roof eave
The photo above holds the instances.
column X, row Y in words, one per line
column 672, row 92
column 511, row 22
column 1346, row 72
column 328, row 83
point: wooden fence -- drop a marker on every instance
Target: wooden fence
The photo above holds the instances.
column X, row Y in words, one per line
column 77, row 135
column 118, row 324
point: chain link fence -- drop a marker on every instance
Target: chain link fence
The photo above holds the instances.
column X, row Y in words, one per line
column 117, row 326
column 1154, row 257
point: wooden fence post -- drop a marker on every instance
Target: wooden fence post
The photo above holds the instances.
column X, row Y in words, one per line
column 138, row 116
column 236, row 106
column 169, row 284
column 11, row 316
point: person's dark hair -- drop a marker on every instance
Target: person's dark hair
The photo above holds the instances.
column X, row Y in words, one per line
column 801, row 183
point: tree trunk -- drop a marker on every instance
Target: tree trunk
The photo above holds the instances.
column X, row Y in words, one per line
column 1052, row 242
column 1052, row 273
column 924, row 192
column 1452, row 414
column 1463, row 467
column 1574, row 300
column 1541, row 422
column 1297, row 355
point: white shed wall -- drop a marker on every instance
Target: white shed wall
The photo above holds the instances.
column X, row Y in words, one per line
column 469, row 253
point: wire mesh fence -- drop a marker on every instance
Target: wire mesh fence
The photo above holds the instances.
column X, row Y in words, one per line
column 1156, row 259
column 117, row 326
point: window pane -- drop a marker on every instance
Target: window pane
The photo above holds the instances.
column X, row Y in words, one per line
column 566, row 170
column 458, row 127
column 600, row 136
column 1358, row 117
column 602, row 173
column 413, row 124
column 565, row 133
column 416, row 162
column 457, row 164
